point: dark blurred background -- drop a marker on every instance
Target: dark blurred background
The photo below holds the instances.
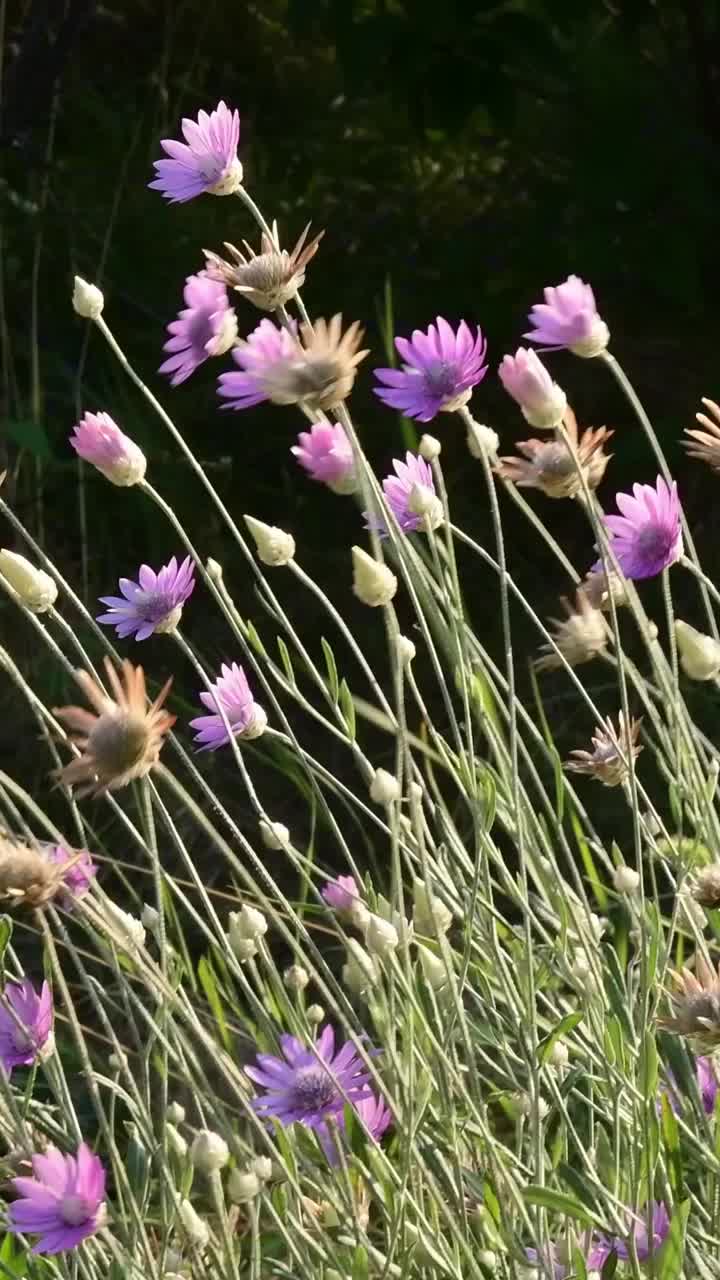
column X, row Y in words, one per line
column 460, row 157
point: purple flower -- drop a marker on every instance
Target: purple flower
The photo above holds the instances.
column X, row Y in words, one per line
column 375, row 1115
column 411, row 496
column 441, row 368
column 556, row 1258
column 707, row 1088
column 638, row 1228
column 646, row 538
column 341, row 894
column 265, row 349
column 245, row 717
column 26, row 1023
column 525, row 378
column 63, row 1203
column 206, row 327
column 99, row 440
column 309, row 1085
column 326, row 454
column 569, row 318
column 154, row 604
column 80, row 873
column 206, row 161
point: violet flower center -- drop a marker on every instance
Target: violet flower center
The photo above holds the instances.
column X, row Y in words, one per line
column 441, row 377
column 313, row 1089
column 154, row 605
column 74, row 1210
column 654, row 543
column 200, row 330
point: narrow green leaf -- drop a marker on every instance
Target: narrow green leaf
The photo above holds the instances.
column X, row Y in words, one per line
column 254, row 640
column 332, row 670
column 649, row 1067
column 286, row 661
column 206, row 974
column 6, row 928
column 348, row 708
column 565, row 1025
column 31, row 436
column 588, row 863
column 669, row 1261
column 559, row 1202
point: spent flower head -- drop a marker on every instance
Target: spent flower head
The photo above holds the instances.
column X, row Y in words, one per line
column 207, row 161
column 580, row 637
column 97, row 439
column 441, row 368
column 207, row 326
column 569, row 318
column 696, row 1006
column 549, row 465
column 122, row 738
column 324, row 374
column 647, row 536
column 705, row 445
column 613, row 748
column 309, row 1085
column 326, row 454
column 63, row 1203
column 269, row 279
column 706, row 886
column 26, row 1024
column 246, row 718
column 153, row 605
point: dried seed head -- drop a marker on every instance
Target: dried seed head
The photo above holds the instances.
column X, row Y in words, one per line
column 26, row 877
column 706, row 889
column 696, row 1006
column 580, row 637
column 600, row 587
column 705, row 445
column 268, row 279
column 608, row 762
column 323, row 374
column 122, row 739
column 550, row 466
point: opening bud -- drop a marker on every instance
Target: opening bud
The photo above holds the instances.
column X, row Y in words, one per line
column 32, row 588
column 373, row 583
column 274, row 546
column 87, row 299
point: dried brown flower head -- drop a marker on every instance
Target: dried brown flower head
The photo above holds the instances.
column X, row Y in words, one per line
column 696, row 1006
column 122, row 739
column 270, row 278
column 706, row 888
column 26, row 877
column 705, row 445
column 612, row 750
column 580, row 637
column 549, row 465
column 324, row 373
column 599, row 586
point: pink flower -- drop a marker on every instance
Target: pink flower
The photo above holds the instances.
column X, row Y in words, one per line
column 410, row 494
column 341, row 894
column 569, row 318
column 207, row 326
column 440, row 370
column 526, row 379
column 267, row 348
column 99, row 441
column 63, row 1203
column 326, row 454
column 81, row 871
column 153, row 605
column 246, row 718
column 26, row 1023
column 647, row 536
column 206, row 162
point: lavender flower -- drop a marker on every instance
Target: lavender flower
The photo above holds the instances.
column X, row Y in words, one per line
column 647, row 537
column 341, row 894
column 80, row 873
column 154, row 604
column 646, row 1245
column 258, row 356
column 411, row 496
column 207, row 326
column 99, row 440
column 206, row 162
column 525, row 378
column 326, row 454
column 63, row 1203
column 309, row 1085
column 26, row 1023
column 245, row 717
column 441, row 368
column 707, row 1084
column 375, row 1115
column 569, row 318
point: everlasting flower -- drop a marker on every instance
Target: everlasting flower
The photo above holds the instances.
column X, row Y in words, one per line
column 87, row 299
column 569, row 318
column 63, row 1203
column 99, row 441
column 699, row 654
column 550, row 466
column 647, row 1243
column 271, row 278
column 647, row 537
column 696, row 1006
column 376, row 1119
column 122, row 740
column 441, row 368
column 326, row 454
column 274, row 546
column 525, row 378
column 309, row 1085
column 76, row 869
column 206, row 162
column 381, row 936
column 152, row 605
column 705, row 445
column 411, row 496
column 31, row 587
column 26, row 1023
column 580, row 637
column 612, row 749
column 318, row 373
column 265, row 351
column 246, row 718
column 341, row 894
column 706, row 889
column 207, row 326
column 373, row 583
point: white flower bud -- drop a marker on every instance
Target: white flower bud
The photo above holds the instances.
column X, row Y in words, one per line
column 580, row 968
column 405, row 649
column 195, row 1229
column 358, row 914
column 248, row 924
column 117, row 1061
column 175, row 1141
column 262, row 1167
column 433, row 967
column 361, row 971
column 126, row 929
column 699, row 654
column 559, row 1055
column 482, row 440
column 209, row 1152
column 274, row 546
column 373, row 583
column 32, row 587
column 242, row 948
column 214, row 570
column 175, row 1113
column 625, row 880
column 430, row 915
column 149, row 917
column 243, row 1186
column 384, row 788
column 429, row 448
column 423, row 502
column 87, row 299
column 381, row 937
column 274, row 835
column 296, row 978
column 525, row 1105
column 487, row 1259
column 315, row 1014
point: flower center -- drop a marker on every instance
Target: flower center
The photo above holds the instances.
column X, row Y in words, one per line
column 313, row 1089
column 118, row 742
column 155, row 605
column 74, row 1210
column 441, row 379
